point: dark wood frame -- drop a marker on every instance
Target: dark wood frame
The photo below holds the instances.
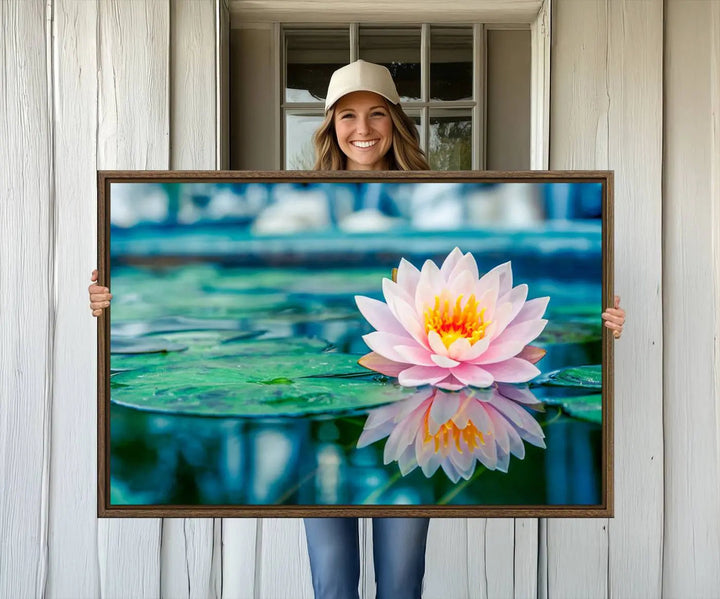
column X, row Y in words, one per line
column 603, row 510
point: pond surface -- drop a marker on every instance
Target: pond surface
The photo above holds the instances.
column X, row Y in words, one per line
column 236, row 385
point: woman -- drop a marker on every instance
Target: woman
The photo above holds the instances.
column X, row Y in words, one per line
column 365, row 129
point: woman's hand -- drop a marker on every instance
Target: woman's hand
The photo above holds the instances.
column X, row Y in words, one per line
column 99, row 296
column 615, row 318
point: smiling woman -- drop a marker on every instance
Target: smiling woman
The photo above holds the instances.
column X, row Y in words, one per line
column 364, row 130
column 365, row 127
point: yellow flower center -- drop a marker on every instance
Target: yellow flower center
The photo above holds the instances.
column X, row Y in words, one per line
column 454, row 322
column 450, row 433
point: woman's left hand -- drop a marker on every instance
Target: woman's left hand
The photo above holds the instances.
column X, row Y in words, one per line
column 615, row 318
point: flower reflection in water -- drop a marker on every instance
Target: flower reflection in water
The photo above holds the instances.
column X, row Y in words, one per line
column 456, row 429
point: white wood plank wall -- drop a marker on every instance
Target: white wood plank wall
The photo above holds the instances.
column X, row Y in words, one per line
column 691, row 204
column 606, row 113
column 635, row 87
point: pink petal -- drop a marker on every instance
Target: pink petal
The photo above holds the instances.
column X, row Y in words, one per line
column 532, row 354
column 472, row 375
column 512, row 340
column 451, row 471
column 370, row 436
column 403, row 435
column 501, row 425
column 486, row 293
column 450, row 384
column 379, row 316
column 513, row 370
column 407, row 277
column 407, row 462
column 532, row 309
column 442, row 410
column 501, row 318
column 392, row 289
column 499, row 351
column 466, row 264
column 427, row 458
column 521, row 394
column 430, row 274
column 416, row 376
column 415, row 355
column 443, row 361
column 382, row 365
column 459, row 349
column 517, row 447
column 504, row 273
column 463, row 460
column 401, row 307
column 462, row 415
column 517, row 298
column 436, row 343
column 384, row 344
column 449, row 263
column 463, row 284
column 420, row 400
column 519, row 416
column 411, row 322
column 479, row 347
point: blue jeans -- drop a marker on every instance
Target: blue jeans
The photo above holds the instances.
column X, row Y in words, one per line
column 398, row 552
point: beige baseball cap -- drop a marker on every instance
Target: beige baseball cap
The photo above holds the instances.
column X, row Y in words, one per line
column 361, row 76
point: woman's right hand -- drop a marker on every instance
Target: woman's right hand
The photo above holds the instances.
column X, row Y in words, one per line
column 99, row 296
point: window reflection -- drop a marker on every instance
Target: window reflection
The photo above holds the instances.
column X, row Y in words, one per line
column 399, row 50
column 312, row 56
column 451, row 63
column 450, row 143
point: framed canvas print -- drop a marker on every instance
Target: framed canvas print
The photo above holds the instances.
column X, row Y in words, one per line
column 357, row 344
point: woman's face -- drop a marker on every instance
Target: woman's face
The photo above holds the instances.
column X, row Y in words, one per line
column 364, row 130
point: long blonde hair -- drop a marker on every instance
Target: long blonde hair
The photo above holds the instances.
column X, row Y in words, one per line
column 405, row 154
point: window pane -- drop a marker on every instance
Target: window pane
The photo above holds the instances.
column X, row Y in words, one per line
column 450, row 141
column 299, row 150
column 399, row 50
column 312, row 56
column 451, row 63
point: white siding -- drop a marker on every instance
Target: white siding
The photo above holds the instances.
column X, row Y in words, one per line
column 606, row 100
column 133, row 133
column 691, row 202
column 73, row 538
column 635, row 89
column 577, row 550
column 97, row 85
column 27, row 313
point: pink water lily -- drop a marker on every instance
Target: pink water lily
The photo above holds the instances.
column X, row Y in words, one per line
column 448, row 327
column 456, row 430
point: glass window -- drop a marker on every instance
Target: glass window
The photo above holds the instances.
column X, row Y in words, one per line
column 442, row 78
column 312, row 56
column 399, row 50
column 450, row 142
column 451, row 63
column 299, row 149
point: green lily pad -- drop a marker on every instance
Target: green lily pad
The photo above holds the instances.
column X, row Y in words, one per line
column 253, row 386
column 576, row 376
column 202, row 345
column 582, row 407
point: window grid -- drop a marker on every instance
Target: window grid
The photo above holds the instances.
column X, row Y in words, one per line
column 423, row 108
